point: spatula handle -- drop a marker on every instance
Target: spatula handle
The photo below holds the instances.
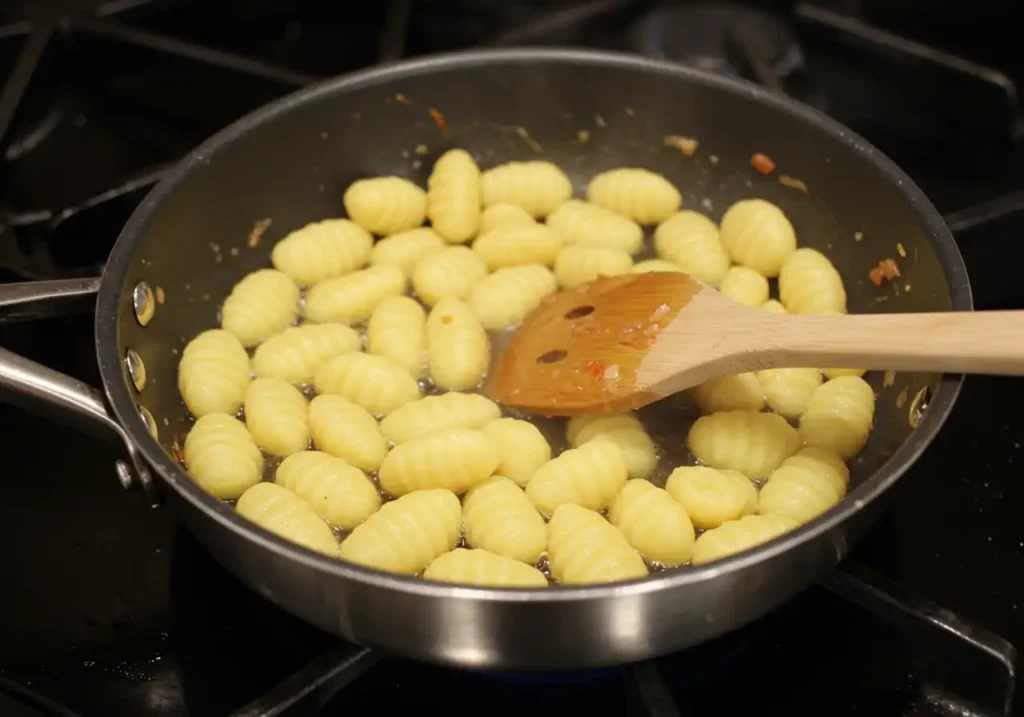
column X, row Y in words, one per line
column 984, row 342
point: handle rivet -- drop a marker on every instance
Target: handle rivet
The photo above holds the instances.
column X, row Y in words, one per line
column 149, row 422
column 124, row 474
column 143, row 303
column 136, row 369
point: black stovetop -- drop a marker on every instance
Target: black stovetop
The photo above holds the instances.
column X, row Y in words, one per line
column 110, row 608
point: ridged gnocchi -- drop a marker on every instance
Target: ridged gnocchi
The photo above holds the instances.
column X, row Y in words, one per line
column 638, row 194
column 213, row 373
column 458, row 350
column 585, row 549
column 809, row 284
column 745, row 286
column 737, row 536
column 503, row 215
column 752, row 443
column 579, row 263
column 277, row 416
column 385, row 205
column 346, row 430
column 280, row 511
column 449, row 273
column 485, row 569
column 758, row 235
column 321, row 250
column 437, row 413
column 351, row 299
column 839, row 415
column 579, row 222
column 739, row 392
column 338, row 492
column 455, row 459
column 622, row 429
column 397, row 330
column 407, row 534
column 589, row 476
column 262, row 304
column 405, row 249
column 515, row 244
column 377, row 384
column 711, row 496
column 508, row 296
column 221, row 456
column 789, row 390
column 522, row 448
column 653, row 523
column 295, row 354
column 536, row 187
column 500, row 518
column 805, row 485
column 690, row 241
column 453, row 196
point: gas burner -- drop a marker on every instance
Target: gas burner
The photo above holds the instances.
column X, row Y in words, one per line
column 721, row 37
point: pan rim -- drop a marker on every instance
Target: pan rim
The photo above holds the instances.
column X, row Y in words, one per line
column 110, row 301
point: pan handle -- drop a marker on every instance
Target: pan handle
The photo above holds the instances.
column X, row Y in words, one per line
column 47, row 392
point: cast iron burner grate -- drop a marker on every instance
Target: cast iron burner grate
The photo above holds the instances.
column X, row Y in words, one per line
column 65, row 81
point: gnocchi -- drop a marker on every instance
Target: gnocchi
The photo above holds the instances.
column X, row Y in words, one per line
column 213, row 373
column 455, row 459
column 438, row 413
column 453, row 196
column 321, row 250
column 407, row 534
column 295, row 354
column 500, row 518
column 262, row 304
column 385, row 205
column 338, row 492
column 481, row 567
column 358, row 428
column 280, row 511
column 638, row 194
column 584, row 548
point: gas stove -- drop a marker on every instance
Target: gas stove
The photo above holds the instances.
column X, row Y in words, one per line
column 113, row 609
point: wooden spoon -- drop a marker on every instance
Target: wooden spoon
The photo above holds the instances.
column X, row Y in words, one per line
column 620, row 343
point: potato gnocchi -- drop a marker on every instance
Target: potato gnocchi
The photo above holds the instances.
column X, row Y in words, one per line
column 339, row 400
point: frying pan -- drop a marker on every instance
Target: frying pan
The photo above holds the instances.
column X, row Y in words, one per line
column 187, row 244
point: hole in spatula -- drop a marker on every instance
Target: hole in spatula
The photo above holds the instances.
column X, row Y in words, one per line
column 552, row 356
column 579, row 312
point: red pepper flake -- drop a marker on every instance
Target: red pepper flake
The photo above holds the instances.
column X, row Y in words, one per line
column 177, row 452
column 439, row 120
column 887, row 270
column 399, row 97
column 762, row 163
column 447, row 319
column 890, row 270
column 257, row 232
column 161, row 295
column 595, row 369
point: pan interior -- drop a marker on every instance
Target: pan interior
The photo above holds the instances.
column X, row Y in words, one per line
column 292, row 165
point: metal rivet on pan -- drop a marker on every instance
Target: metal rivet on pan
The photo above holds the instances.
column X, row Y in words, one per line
column 124, row 474
column 136, row 369
column 149, row 421
column 143, row 303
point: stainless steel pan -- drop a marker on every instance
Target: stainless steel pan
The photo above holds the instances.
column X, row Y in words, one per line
column 186, row 245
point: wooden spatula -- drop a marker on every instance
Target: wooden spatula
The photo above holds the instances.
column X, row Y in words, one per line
column 620, row 343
